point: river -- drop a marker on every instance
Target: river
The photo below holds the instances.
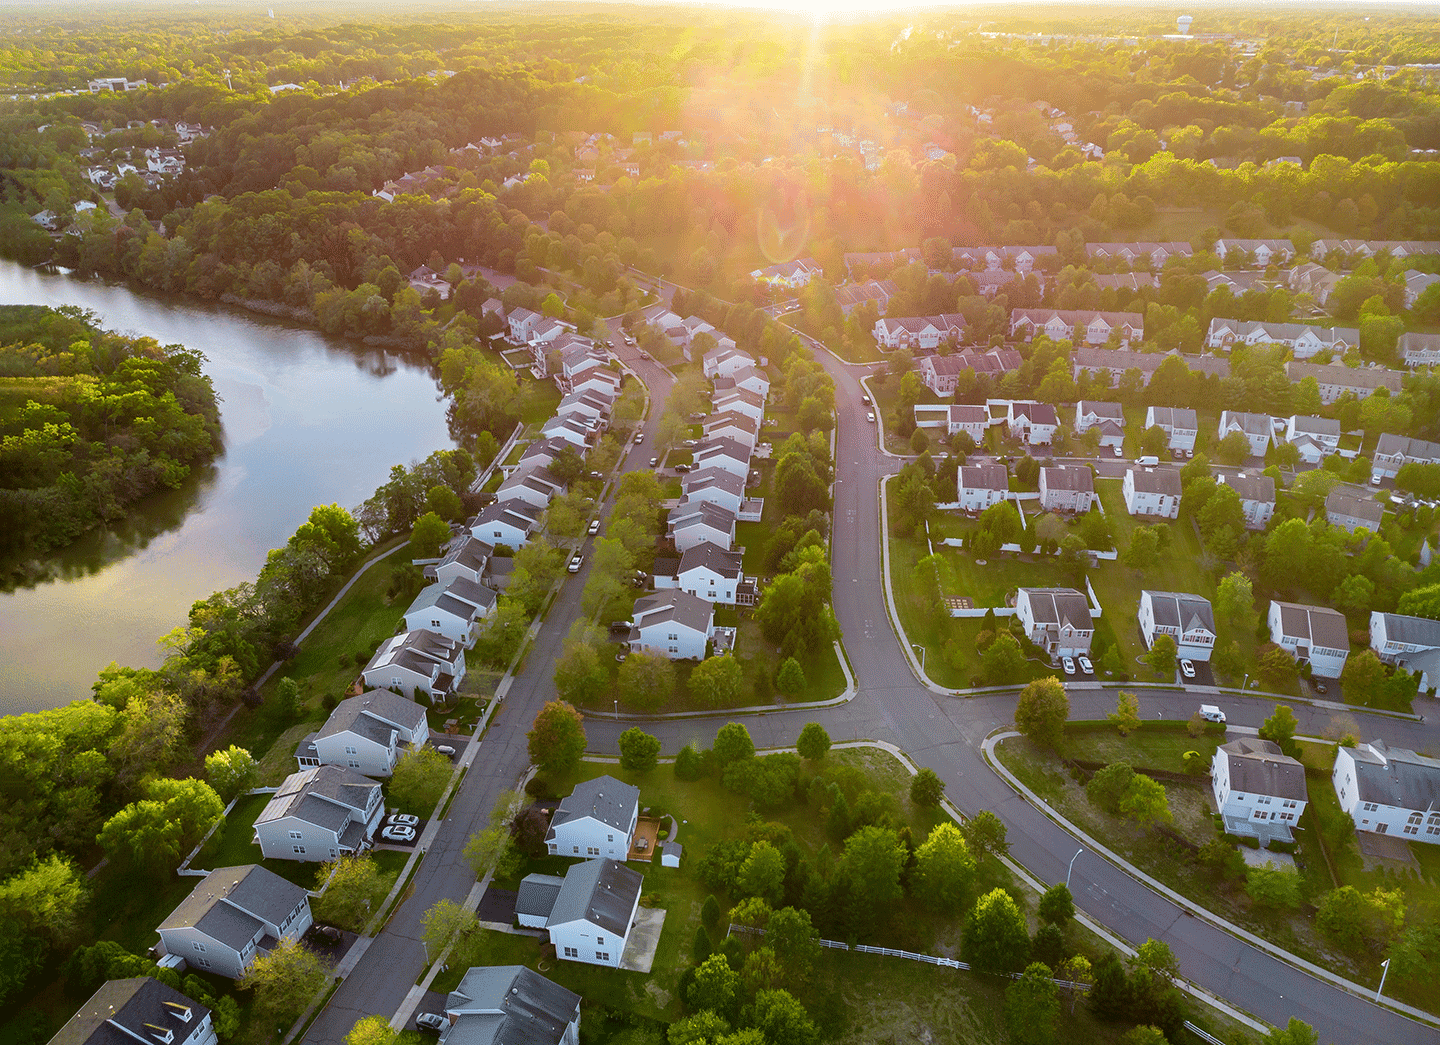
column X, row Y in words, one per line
column 308, row 420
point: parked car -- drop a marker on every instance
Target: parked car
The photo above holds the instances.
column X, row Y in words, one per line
column 865, row 399
column 1187, row 669
column 1119, row 451
column 654, row 462
column 1068, row 664
column 398, row 833
column 1085, row 664
column 682, row 467
column 328, row 932
column 620, row 627
column 870, row 415
column 1376, row 479
column 446, row 750
column 594, row 527
column 433, row 1021
column 409, row 819
column 1210, row 713
column 576, row 561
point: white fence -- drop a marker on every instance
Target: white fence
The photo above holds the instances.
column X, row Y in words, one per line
column 1204, row 1036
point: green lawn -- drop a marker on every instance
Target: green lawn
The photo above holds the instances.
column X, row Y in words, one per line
column 1156, row 745
column 540, row 401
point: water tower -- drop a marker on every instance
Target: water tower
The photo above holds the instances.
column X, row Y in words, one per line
column 1183, row 24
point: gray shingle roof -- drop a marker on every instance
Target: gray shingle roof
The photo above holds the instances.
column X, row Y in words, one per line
column 1180, row 610
column 1079, row 479
column 1172, row 417
column 1337, row 502
column 1250, row 424
column 608, row 800
column 1319, row 625
column 673, row 605
column 713, row 557
column 1396, row 776
column 984, row 477
column 509, row 1005
column 1156, row 480
column 374, row 704
column 323, row 795
column 1258, row 767
column 1060, row 606
column 601, row 892
column 1417, row 631
column 138, row 1003
column 536, row 896
column 260, row 895
column 1252, row 487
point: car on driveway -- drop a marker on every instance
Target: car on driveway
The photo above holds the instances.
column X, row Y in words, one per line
column 1068, row 664
column 1085, row 664
column 432, row 1021
column 409, row 819
column 576, row 561
column 398, row 833
column 1187, row 669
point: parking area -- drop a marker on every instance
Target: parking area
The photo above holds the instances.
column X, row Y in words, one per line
column 328, row 943
column 451, row 745
column 431, row 1005
column 398, row 831
column 497, row 905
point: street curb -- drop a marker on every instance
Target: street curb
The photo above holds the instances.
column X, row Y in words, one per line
column 894, row 614
column 987, row 748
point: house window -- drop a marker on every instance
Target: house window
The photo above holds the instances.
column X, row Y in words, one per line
column 1412, row 829
column 204, row 962
column 1382, row 828
column 299, row 849
column 197, row 945
column 296, row 834
column 599, row 941
column 575, row 849
column 354, row 763
column 591, row 850
column 1370, row 807
column 571, row 952
column 602, row 956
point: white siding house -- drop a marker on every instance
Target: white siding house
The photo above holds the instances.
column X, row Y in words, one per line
column 589, row 913
column 1179, row 425
column 1067, row 488
column 1256, row 428
column 319, row 814
column 1257, row 497
column 699, row 523
column 710, row 573
column 978, row 486
column 367, row 733
column 673, row 624
column 1389, row 790
column 1411, row 643
column 595, row 820
column 1057, row 620
column 1188, row 619
column 1152, row 491
column 1035, row 423
column 1259, row 790
column 138, row 1009
column 1315, row 634
column 234, row 914
column 505, row 1004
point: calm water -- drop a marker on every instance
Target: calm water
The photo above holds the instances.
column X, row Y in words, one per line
column 308, row 420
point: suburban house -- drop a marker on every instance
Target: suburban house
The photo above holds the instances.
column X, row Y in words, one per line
column 419, row 660
column 722, row 452
column 1180, row 425
column 588, row 913
column 1257, row 497
column 1056, row 619
column 713, row 485
column 1315, row 280
column 1150, row 254
column 1188, row 619
column 1314, row 437
column 791, row 274
column 739, row 401
column 234, row 914
column 1263, row 251
column 510, row 524
column 451, row 611
column 737, row 427
column 1389, row 790
column 1256, row 428
column 320, row 814
column 597, row 819
column 1035, row 423
column 367, row 733
column 1067, row 488
column 1090, row 328
column 1116, row 362
column 541, row 452
column 1335, row 379
column 748, row 378
column 1259, row 790
column 954, row 419
column 534, row 487
column 673, row 624
column 854, row 295
column 591, row 406
column 504, row 1004
column 707, row 571
column 1419, row 349
column 919, row 333
column 1108, row 417
column 725, row 360
column 464, row 556
column 573, row 429
column 1393, row 451
column 578, row 359
column 1152, row 491
column 1316, row 634
column 601, row 380
column 138, row 1009
column 978, row 486
column 699, row 522
column 1416, row 283
column 941, row 374
column 1352, row 513
column 1411, row 643
column 1302, row 340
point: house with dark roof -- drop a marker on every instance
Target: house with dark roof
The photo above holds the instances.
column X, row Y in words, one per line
column 708, row 571
column 1256, row 428
column 234, row 914
column 1334, row 379
column 1035, row 423
column 673, row 624
column 1057, row 620
column 511, row 1005
column 1257, row 497
column 368, row 733
column 1188, row 619
column 722, row 452
column 1259, row 790
column 1389, row 790
column 1152, row 491
column 591, row 911
column 319, row 814
column 1410, row 643
column 597, row 819
column 700, row 522
column 747, row 378
column 1108, row 417
column 1180, row 425
column 138, row 1009
column 736, row 427
column 1352, row 513
column 534, row 486
column 1302, row 340
column 1314, row 634
column 464, row 556
column 574, row 429
column 1314, row 438
column 739, row 401
column 451, row 610
column 510, row 524
column 713, row 486
column 1419, row 349
column 978, row 486
column 1392, row 452
column 1067, row 488
column 724, row 360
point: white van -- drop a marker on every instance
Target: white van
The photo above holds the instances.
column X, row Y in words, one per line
column 1148, row 459
column 1210, row 713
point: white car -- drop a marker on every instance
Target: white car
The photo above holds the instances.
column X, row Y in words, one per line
column 1210, row 713
column 870, row 415
column 398, row 833
column 407, row 819
column 594, row 527
column 1085, row 664
column 865, row 399
column 654, row 461
column 1068, row 664
column 576, row 561
column 1187, row 669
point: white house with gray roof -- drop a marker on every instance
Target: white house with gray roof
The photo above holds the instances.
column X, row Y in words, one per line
column 1178, row 423
column 1152, row 491
column 464, row 556
column 978, row 486
column 737, row 427
column 673, row 624
column 319, row 814
column 1323, row 431
column 234, row 914
column 707, row 571
column 1257, row 497
column 138, row 1009
column 1108, row 417
column 1057, row 620
column 419, row 662
column 510, row 524
column 1188, row 619
column 511, row 1005
column 740, row 401
column 1259, row 790
column 1335, row 379
column 535, row 486
column 1352, row 513
column 1411, row 643
column 595, row 820
column 714, row 486
column 451, row 610
column 1067, row 488
column 1392, row 452
column 699, row 522
column 1316, row 634
column 722, row 452
column 1419, row 349
column 1256, row 428
column 1389, row 790
column 367, row 733
column 590, row 911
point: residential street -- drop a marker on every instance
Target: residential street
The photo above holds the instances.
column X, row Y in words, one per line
column 941, row 732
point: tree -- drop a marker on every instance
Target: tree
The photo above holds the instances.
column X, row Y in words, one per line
column 1057, row 906
column 492, row 849
column 1295, row 1032
column 1031, row 1007
column 1144, row 549
column 1154, row 441
column 714, row 986
column 1144, row 1035
column 230, row 771
column 871, row 866
column 1275, row 887
column 1126, row 715
column 419, row 779
column 1352, row 919
column 372, row 1030
column 287, row 699
column 1042, row 710
column 156, row 831
column 1157, row 956
column 1275, row 666
column 442, row 923
column 732, row 743
column 995, row 939
column 716, row 680
column 646, row 680
column 926, row 788
column 1162, row 657
column 639, row 751
column 579, row 675
column 813, row 743
column 1280, row 728
column 283, row 980
column 1235, row 602
column 944, row 870
column 1233, row 449
column 557, row 737
column 1003, row 661
column 428, row 534
column 763, row 873
column 790, row 679
column 354, row 892
column 794, row 940
column 782, row 1019
column 1145, row 800
column 46, row 900
column 985, row 834
column 705, row 1027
